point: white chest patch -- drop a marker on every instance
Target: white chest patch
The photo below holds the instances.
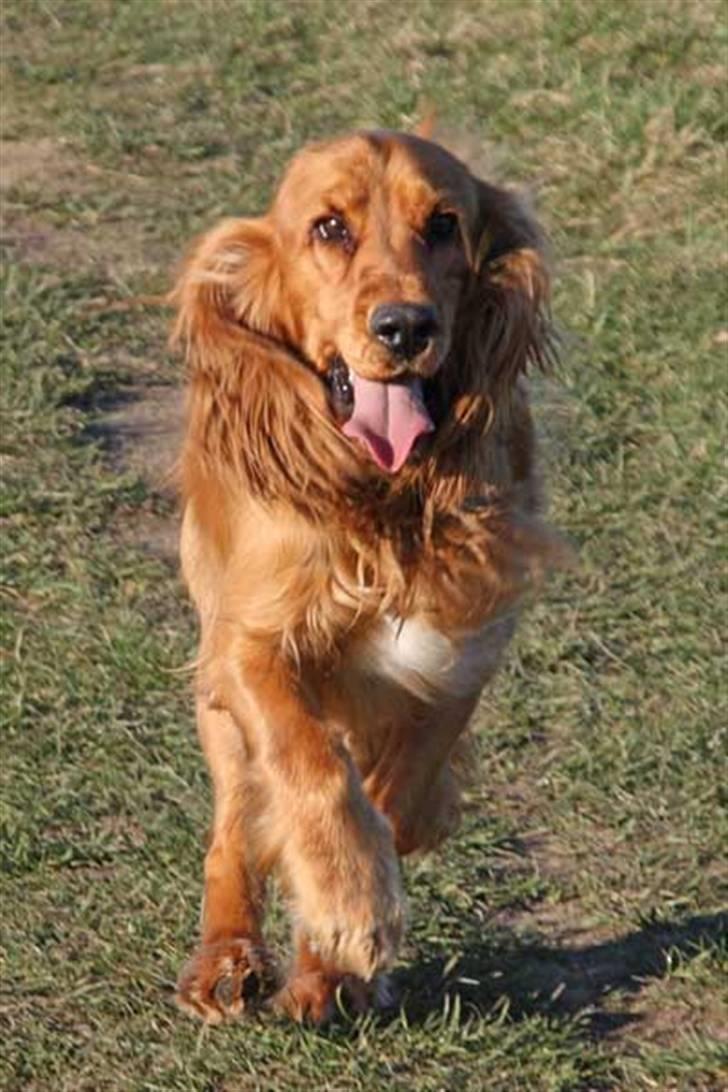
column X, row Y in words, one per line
column 425, row 661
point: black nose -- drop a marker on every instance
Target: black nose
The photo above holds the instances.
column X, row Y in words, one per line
column 405, row 328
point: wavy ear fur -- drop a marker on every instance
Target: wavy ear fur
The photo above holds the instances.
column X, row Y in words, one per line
column 231, row 278
column 507, row 307
column 255, row 414
column 503, row 323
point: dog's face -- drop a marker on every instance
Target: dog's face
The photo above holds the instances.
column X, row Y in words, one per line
column 372, row 235
column 372, row 232
column 369, row 264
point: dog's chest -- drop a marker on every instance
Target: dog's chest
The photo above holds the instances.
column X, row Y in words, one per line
column 424, row 661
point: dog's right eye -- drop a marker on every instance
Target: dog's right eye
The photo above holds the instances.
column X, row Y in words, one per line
column 332, row 229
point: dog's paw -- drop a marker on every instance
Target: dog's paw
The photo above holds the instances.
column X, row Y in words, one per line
column 354, row 915
column 316, row 996
column 361, row 941
column 222, row 979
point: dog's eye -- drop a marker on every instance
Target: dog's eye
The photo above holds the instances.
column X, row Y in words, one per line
column 332, row 229
column 440, row 228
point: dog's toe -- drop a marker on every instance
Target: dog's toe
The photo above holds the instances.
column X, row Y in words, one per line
column 223, row 979
column 316, row 997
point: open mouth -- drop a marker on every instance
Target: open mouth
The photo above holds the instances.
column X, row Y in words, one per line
column 386, row 418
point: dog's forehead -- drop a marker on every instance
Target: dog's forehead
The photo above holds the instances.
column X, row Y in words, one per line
column 336, row 174
column 345, row 173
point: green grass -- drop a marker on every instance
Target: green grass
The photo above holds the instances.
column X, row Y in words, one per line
column 573, row 937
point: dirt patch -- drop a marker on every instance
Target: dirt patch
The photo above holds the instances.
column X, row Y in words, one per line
column 48, row 217
column 139, row 429
column 141, row 434
column 23, row 161
column 113, row 253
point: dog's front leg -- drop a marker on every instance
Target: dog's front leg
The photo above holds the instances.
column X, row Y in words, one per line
column 335, row 849
column 414, row 782
column 231, row 967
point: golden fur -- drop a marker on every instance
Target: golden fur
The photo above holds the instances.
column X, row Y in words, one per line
column 349, row 617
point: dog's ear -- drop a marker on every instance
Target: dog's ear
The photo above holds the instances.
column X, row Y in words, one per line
column 231, row 280
column 506, row 322
column 253, row 410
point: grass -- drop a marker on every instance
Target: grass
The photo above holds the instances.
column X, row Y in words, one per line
column 573, row 937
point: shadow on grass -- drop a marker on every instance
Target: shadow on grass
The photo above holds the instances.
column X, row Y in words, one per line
column 137, row 431
column 528, row 977
column 137, row 428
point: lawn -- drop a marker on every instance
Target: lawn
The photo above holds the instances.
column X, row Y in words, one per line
column 573, row 938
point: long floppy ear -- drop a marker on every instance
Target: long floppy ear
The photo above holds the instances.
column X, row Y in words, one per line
column 254, row 411
column 230, row 280
column 506, row 309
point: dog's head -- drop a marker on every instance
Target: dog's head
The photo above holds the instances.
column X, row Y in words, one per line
column 413, row 290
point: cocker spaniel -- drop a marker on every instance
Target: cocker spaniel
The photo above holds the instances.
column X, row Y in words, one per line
column 361, row 521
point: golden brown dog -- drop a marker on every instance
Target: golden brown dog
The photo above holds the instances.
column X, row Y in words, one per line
column 361, row 521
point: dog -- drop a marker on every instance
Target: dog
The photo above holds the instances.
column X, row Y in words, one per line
column 362, row 519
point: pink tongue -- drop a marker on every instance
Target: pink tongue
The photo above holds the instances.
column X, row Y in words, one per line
column 388, row 418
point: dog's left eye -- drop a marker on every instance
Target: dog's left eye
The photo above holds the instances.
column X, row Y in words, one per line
column 332, row 229
column 440, row 228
